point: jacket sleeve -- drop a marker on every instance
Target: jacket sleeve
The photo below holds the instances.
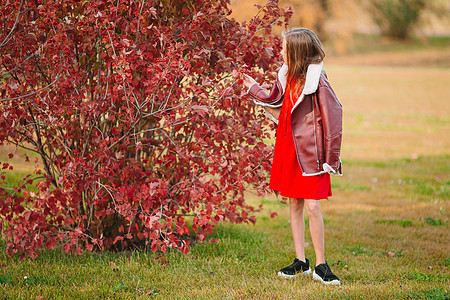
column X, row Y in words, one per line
column 273, row 99
column 331, row 111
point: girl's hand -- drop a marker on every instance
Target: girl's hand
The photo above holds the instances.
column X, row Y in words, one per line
column 248, row 80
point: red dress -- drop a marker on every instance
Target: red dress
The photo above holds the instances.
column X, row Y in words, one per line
column 286, row 176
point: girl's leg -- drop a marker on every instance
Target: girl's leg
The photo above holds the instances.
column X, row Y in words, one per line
column 298, row 226
column 316, row 228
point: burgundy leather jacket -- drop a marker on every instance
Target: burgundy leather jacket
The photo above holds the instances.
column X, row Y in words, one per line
column 316, row 120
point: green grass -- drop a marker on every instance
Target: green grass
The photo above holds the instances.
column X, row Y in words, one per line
column 434, row 222
column 399, row 222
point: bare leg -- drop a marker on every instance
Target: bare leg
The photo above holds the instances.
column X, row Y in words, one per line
column 298, row 226
column 316, row 228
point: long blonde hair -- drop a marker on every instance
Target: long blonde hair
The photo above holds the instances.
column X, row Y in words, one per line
column 303, row 48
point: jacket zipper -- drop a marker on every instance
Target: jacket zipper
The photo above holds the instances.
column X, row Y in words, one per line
column 315, row 135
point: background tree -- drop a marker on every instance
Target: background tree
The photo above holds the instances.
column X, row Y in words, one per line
column 396, row 18
column 312, row 14
column 140, row 129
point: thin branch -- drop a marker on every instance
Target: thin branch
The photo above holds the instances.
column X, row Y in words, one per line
column 161, row 128
column 41, row 148
column 22, row 146
column 139, row 19
column 256, row 31
column 7, row 38
column 35, row 92
column 39, row 49
column 110, row 194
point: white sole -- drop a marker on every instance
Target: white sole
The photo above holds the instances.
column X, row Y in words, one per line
column 333, row 282
column 281, row 274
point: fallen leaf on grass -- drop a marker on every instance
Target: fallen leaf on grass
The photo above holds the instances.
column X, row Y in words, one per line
column 390, row 254
column 152, row 292
column 162, row 260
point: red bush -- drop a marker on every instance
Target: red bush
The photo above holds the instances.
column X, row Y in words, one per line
column 137, row 121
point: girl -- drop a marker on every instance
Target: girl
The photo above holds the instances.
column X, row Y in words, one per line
column 308, row 142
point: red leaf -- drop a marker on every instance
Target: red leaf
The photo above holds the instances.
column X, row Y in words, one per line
column 67, row 247
column 51, row 242
column 118, row 238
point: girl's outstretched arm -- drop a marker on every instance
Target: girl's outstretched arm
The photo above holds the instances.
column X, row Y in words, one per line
column 273, row 99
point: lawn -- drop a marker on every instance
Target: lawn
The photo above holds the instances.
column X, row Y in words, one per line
column 386, row 227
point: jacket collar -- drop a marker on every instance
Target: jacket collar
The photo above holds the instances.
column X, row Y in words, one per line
column 312, row 77
column 311, row 82
column 282, row 76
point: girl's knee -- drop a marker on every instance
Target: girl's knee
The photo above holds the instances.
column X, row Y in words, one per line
column 313, row 208
column 296, row 203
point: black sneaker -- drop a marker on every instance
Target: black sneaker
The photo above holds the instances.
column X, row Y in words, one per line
column 323, row 273
column 296, row 268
